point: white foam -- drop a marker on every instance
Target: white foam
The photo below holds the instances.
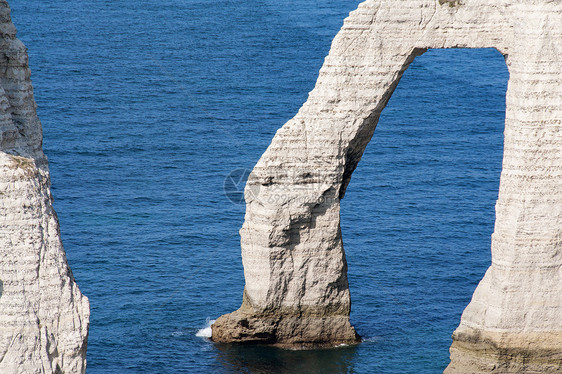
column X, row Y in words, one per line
column 372, row 339
column 206, row 331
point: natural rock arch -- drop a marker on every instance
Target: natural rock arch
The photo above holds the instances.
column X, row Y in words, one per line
column 296, row 284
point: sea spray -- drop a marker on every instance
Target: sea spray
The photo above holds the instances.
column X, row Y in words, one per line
column 206, row 332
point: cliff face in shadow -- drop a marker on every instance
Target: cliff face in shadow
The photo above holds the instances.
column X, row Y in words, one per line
column 296, row 290
column 43, row 316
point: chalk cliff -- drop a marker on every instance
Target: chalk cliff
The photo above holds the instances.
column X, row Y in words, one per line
column 43, row 316
column 294, row 264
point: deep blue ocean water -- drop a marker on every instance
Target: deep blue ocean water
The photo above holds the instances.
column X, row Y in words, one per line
column 148, row 105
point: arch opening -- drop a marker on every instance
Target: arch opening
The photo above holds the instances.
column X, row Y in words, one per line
column 419, row 210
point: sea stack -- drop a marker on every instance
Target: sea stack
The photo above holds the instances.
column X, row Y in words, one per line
column 296, row 291
column 43, row 316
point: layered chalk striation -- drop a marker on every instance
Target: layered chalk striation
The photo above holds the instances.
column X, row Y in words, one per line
column 44, row 318
column 296, row 291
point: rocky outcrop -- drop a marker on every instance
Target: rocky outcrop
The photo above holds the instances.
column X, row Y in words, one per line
column 43, row 316
column 294, row 264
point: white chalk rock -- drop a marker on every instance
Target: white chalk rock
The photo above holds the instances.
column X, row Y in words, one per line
column 43, row 316
column 296, row 285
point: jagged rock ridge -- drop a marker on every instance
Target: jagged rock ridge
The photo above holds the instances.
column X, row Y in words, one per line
column 43, row 316
column 296, row 285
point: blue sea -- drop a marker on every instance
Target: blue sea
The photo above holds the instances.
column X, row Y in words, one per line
column 147, row 106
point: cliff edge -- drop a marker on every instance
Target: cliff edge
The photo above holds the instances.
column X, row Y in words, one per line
column 43, row 316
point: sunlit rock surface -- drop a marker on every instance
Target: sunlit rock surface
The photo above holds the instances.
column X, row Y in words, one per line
column 43, row 316
column 296, row 290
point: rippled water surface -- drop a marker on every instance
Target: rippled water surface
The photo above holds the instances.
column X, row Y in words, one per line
column 148, row 105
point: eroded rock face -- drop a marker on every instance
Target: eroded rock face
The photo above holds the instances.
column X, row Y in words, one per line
column 43, row 316
column 294, row 264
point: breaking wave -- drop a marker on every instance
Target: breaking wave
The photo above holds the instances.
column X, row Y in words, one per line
column 206, row 332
